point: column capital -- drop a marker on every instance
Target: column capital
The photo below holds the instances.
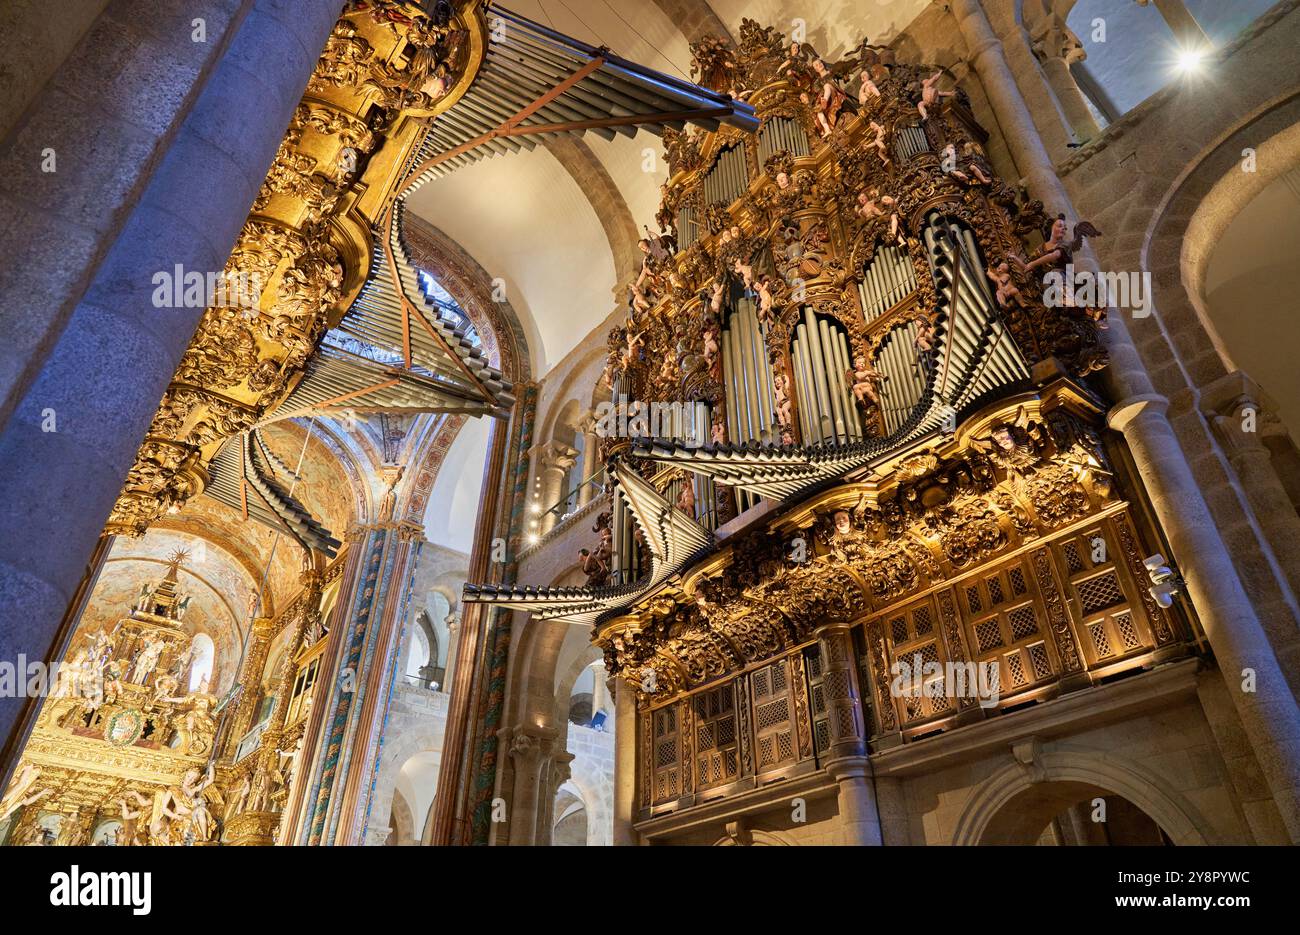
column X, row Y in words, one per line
column 1053, row 39
column 1125, row 412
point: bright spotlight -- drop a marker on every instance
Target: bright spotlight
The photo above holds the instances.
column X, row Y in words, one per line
column 534, row 538
column 1190, row 60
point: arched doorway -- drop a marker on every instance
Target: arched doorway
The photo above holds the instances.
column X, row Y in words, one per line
column 1072, row 814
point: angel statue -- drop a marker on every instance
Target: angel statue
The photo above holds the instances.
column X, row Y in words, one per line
column 931, row 95
column 865, row 380
column 1056, row 251
column 20, row 791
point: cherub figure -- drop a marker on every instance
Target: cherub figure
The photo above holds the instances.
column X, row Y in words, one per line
column 632, row 351
column 594, row 568
column 686, row 498
column 715, row 300
column 949, row 163
column 763, row 289
column 1006, row 291
column 923, row 342
column 637, row 298
column 712, row 356
column 875, row 205
column 746, row 273
column 879, row 141
column 931, row 95
column 718, row 433
column 866, row 381
column 781, row 388
column 868, row 92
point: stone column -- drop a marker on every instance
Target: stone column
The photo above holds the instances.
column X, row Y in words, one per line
column 859, row 819
column 1057, row 48
column 624, row 762
column 530, row 752
column 1270, row 716
column 1234, row 406
column 353, row 692
column 558, row 772
column 590, row 450
column 554, row 466
column 191, row 129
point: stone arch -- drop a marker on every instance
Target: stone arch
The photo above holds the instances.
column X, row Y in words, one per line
column 403, row 823
column 1198, row 209
column 400, row 746
column 746, row 838
column 591, row 176
column 1075, row 771
column 572, row 814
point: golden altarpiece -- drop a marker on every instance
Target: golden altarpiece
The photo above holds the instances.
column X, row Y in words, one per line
column 863, row 450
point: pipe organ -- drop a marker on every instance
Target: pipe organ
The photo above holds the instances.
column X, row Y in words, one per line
column 781, row 133
column 905, row 373
column 935, row 519
column 728, row 179
column 687, row 222
column 886, row 280
column 750, row 406
column 821, row 359
column 981, row 355
column 910, row 141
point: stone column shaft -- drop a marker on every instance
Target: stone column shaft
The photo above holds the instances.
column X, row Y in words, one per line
column 1272, row 720
column 624, row 763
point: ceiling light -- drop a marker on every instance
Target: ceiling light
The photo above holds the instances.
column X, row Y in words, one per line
column 534, row 538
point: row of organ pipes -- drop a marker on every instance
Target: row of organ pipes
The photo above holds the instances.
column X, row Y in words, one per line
column 781, row 133
column 821, row 358
column 887, row 280
column 972, row 308
column 728, row 178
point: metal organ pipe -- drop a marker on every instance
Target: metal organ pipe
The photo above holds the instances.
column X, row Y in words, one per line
column 842, row 364
column 817, row 361
column 802, row 386
column 834, row 389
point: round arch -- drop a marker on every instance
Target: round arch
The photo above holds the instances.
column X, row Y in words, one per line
column 984, row 819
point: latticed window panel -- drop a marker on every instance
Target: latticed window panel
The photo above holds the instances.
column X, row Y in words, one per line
column 922, row 621
column 1100, row 641
column 1128, row 632
column 821, row 731
column 994, row 586
column 973, row 599
column 1073, row 560
column 1040, row 661
column 1016, row 670
column 667, row 760
column 1024, row 623
column 1099, row 593
column 898, row 629
column 1017, row 578
column 988, row 635
column 716, row 756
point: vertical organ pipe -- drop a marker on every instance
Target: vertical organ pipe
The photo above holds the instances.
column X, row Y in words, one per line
column 836, row 411
column 817, row 362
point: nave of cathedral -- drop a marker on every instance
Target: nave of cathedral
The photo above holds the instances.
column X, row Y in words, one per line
column 614, row 422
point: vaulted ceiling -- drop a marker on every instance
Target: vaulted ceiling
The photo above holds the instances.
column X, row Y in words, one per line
column 542, row 224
